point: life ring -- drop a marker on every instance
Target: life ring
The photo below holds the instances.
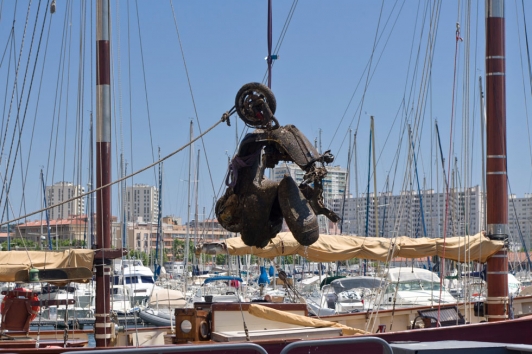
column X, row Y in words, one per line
column 19, row 293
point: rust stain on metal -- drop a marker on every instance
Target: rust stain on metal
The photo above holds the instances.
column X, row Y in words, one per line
column 254, row 205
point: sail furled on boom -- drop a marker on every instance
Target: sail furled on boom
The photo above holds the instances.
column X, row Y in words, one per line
column 331, row 248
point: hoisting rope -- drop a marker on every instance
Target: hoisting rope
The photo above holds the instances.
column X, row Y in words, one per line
column 281, row 37
column 83, row 195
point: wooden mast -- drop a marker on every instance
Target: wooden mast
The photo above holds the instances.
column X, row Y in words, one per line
column 496, row 177
column 102, row 327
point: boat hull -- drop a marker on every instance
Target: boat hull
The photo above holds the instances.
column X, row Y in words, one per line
column 155, row 318
column 510, row 331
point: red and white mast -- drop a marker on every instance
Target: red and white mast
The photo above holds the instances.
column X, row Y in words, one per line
column 496, row 174
column 102, row 264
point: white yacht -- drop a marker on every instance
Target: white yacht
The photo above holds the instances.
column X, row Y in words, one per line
column 345, row 295
column 414, row 287
column 401, row 287
column 121, row 300
column 139, row 278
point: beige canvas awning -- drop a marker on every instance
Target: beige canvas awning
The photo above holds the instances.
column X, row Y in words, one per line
column 13, row 261
column 330, row 248
column 286, row 317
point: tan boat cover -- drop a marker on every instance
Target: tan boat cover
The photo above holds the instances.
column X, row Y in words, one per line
column 330, row 248
column 13, row 261
column 168, row 298
column 287, row 317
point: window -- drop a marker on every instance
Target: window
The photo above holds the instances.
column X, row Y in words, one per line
column 132, row 280
column 146, row 279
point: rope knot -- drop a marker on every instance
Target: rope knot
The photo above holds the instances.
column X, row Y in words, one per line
column 225, row 118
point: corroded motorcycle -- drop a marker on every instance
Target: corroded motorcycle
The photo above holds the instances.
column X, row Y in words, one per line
column 254, row 205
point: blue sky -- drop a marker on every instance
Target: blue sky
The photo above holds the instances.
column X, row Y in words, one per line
column 323, row 57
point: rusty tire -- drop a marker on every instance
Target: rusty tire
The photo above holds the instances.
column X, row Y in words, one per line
column 250, row 113
column 228, row 211
column 299, row 216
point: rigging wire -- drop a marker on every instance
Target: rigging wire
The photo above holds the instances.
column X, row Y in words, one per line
column 368, row 76
column 145, row 86
column 529, row 73
column 284, row 30
column 423, row 91
column 54, row 137
column 519, row 231
column 118, row 180
column 366, row 71
column 419, row 114
column 92, row 235
column 403, row 104
column 14, row 91
column 121, row 164
column 457, row 47
column 115, row 86
column 25, row 175
column 475, row 97
column 464, row 176
column 67, row 99
column 78, row 171
column 9, row 205
column 192, row 95
column 130, row 92
column 4, row 140
column 513, row 202
column 424, row 84
column 428, row 63
column 10, row 43
column 435, row 11
column 19, row 124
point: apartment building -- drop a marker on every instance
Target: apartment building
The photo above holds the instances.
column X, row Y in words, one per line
column 520, row 221
column 142, row 203
column 61, row 192
column 142, row 236
column 414, row 214
column 73, row 229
